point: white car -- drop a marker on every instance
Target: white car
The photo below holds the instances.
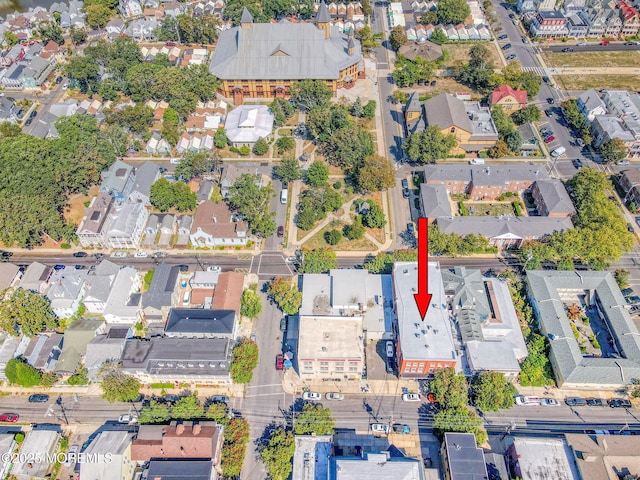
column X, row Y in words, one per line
column 549, row 402
column 72, row 456
column 411, row 397
column 527, row 401
column 214, row 269
column 334, row 396
column 379, row 428
column 119, row 254
column 141, row 254
column 127, row 418
column 389, row 348
column 311, row 396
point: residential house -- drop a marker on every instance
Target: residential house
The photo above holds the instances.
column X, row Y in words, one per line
column 152, row 225
column 246, row 124
column 118, row 181
column 486, row 320
column 96, row 221
column 605, row 128
column 130, row 8
column 157, row 145
column 143, row 29
column 591, row 105
column 228, row 176
column 67, row 291
column 29, row 74
column 184, row 230
column 167, row 225
column 8, row 348
column 201, row 323
column 282, row 55
column 163, row 359
column 551, row 199
column 43, row 351
column 577, row 24
column 173, row 469
column 8, row 446
column 626, row 106
column 111, row 451
column 173, row 8
column 533, row 458
column 10, row 275
column 434, row 201
column 74, row 346
column 602, row 457
column 462, row 458
column 38, row 443
column 202, row 285
column 123, row 304
column 214, row 225
column 125, row 231
column 613, row 25
column 629, row 180
column 8, row 110
column 375, row 465
column 509, row 99
column 597, row 293
column 162, row 293
column 422, row 346
column 146, row 175
column 114, row 27
column 423, row 48
column 228, row 292
column 468, row 121
column 630, row 17
column 105, row 348
column 36, row 277
column 204, row 191
column 529, row 136
column 549, row 24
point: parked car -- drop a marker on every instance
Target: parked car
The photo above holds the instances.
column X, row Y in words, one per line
column 98, row 256
column 28, row 122
column 127, row 418
column 119, row 254
column 582, row 44
column 604, row 43
column 401, row 428
column 580, row 142
column 511, row 57
column 214, row 268
column 527, row 401
column 39, row 398
column 72, row 456
column 506, row 46
column 80, row 254
column 219, row 399
column 405, row 192
column 550, row 101
column 311, row 396
column 389, row 348
column 410, row 229
column 33, row 114
column 280, row 231
column 334, row 396
column 548, row 112
column 379, row 428
column 170, row 398
column 79, row 267
column 575, row 401
column 632, row 299
column 9, row 417
column 283, row 324
column 503, row 36
column 549, row 139
column 405, row 183
column 577, row 163
column 524, row 39
column 141, row 254
column 389, row 365
column 59, row 80
column 549, row 402
column 410, row 397
column 279, row 361
column 619, row 403
column 170, row 44
column 158, row 254
column 622, row 162
column 568, row 49
column 545, row 79
column 630, row 228
column 595, row 402
column 59, row 267
column 627, row 291
column 183, row 268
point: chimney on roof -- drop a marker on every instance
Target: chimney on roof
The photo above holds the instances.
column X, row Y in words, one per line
column 351, row 46
column 197, row 428
column 180, row 429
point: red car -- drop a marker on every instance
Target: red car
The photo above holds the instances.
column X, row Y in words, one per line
column 9, row 417
column 280, row 231
column 279, row 361
column 604, row 43
column 170, row 44
column 549, row 139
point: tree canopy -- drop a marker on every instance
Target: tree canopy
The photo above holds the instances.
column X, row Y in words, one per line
column 245, row 360
column 197, row 162
column 317, row 174
column 253, row 202
column 318, row 261
column 165, row 195
column 19, row 372
column 288, row 170
column 429, row 145
column 492, row 391
column 25, row 312
column 286, row 294
column 613, row 150
column 449, row 388
column 314, row 418
column 117, row 386
column 452, row 11
column 397, row 37
column 307, row 94
column 460, row 419
column 251, row 304
column 277, row 454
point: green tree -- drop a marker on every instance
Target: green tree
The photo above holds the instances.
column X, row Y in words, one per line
column 354, row 231
column 197, row 162
column 117, row 386
column 137, row 118
column 318, row 261
column 78, row 34
column 186, row 408
column 218, row 412
column 514, row 76
column 25, row 312
column 307, row 94
column 10, row 38
column 48, row 379
column 439, row 37
column 140, row 81
column 50, row 31
column 492, row 391
column 253, row 202
column 348, row 147
column 317, row 174
column 19, row 372
column 370, row 110
column 452, row 11
column 84, row 72
column 613, row 150
column 397, row 37
column 429, row 145
column 536, row 368
column 109, row 90
column 282, row 111
column 79, row 377
column 369, row 40
column 503, row 122
column 277, row 454
column 289, row 170
column 528, row 114
column 285, row 144
column 375, row 174
column 408, row 72
column 357, row 109
column 314, row 419
column 165, row 195
column 251, row 304
column 245, row 360
column 374, row 217
column 449, row 388
column 236, row 436
column 622, row 278
column 460, row 419
column 333, row 237
column 286, row 294
column 479, row 72
column 98, row 15
column 155, row 413
column 261, row 147
column 201, row 30
column 168, row 29
column 170, row 123
column 220, row 138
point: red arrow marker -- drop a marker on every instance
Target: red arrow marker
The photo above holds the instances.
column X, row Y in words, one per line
column 423, row 299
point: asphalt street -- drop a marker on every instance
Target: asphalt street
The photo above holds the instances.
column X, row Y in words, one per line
column 592, row 47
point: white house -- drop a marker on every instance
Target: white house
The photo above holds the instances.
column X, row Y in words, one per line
column 214, row 225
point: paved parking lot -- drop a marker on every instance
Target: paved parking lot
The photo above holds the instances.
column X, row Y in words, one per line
column 376, row 361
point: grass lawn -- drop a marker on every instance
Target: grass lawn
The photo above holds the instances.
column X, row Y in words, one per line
column 284, row 132
column 610, row 82
column 377, row 233
column 317, row 241
column 443, row 85
column 74, row 210
column 458, row 55
column 489, row 209
column 625, row 58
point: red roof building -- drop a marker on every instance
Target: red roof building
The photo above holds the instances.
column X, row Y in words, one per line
column 509, row 99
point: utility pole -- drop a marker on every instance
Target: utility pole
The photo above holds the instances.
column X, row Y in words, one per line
column 64, row 413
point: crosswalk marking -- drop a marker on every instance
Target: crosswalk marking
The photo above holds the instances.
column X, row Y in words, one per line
column 537, row 70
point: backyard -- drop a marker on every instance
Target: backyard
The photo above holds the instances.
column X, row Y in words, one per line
column 490, row 209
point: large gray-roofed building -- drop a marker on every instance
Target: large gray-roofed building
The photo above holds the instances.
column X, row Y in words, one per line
column 102, row 349
column 201, row 322
column 246, row 124
column 36, row 444
column 483, row 174
column 173, row 469
column 603, row 457
column 158, row 299
column 548, row 292
column 375, row 465
column 463, row 459
column 552, row 199
column 311, row 457
column 434, row 201
column 111, row 450
column 36, row 277
column 205, row 360
column 532, row 458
